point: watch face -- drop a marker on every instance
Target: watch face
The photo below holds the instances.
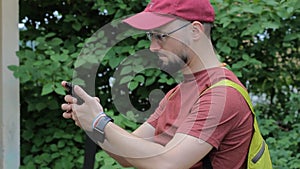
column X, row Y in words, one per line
column 99, row 129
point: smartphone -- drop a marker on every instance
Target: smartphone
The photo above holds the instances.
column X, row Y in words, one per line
column 69, row 88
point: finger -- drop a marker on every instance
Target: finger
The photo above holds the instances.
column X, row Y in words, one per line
column 63, row 83
column 70, row 99
column 67, row 115
column 81, row 93
column 66, row 107
column 97, row 99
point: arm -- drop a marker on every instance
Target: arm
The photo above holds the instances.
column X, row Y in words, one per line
column 183, row 151
column 145, row 131
column 137, row 151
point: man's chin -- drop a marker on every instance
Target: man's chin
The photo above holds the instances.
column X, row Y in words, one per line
column 170, row 69
column 169, row 66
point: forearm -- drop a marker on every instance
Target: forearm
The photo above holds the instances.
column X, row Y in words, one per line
column 136, row 151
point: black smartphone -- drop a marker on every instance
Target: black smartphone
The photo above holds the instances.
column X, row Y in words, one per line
column 69, row 88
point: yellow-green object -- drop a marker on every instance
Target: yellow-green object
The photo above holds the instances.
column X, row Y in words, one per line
column 258, row 154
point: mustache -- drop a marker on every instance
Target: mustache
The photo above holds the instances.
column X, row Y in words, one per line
column 183, row 57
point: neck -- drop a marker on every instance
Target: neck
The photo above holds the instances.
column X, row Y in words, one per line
column 201, row 59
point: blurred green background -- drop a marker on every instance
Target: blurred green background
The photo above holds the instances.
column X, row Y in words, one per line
column 259, row 40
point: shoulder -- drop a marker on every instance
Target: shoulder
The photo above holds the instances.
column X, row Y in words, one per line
column 226, row 96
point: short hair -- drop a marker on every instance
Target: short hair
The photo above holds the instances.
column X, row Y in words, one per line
column 207, row 28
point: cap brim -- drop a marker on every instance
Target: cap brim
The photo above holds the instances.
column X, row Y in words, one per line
column 148, row 20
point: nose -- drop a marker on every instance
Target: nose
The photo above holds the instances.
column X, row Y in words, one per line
column 155, row 46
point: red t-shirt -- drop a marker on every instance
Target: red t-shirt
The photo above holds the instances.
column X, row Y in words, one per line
column 221, row 117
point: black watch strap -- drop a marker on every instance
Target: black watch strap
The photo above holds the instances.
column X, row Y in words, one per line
column 99, row 128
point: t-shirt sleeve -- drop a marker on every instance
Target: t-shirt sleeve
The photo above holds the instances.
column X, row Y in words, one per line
column 213, row 115
column 152, row 120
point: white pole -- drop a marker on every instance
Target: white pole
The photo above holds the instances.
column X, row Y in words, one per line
column 9, row 86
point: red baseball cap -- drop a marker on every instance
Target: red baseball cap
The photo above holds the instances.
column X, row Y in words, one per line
column 160, row 12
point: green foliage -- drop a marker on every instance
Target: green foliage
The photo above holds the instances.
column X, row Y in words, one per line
column 54, row 34
column 258, row 39
column 48, row 142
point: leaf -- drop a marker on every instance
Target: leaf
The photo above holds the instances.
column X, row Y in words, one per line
column 55, row 41
column 13, row 67
column 63, row 57
column 138, row 68
column 149, row 72
column 49, row 52
column 40, row 106
column 143, row 44
column 92, row 39
column 52, row 104
column 170, row 81
column 61, row 144
column 79, row 62
column 271, row 2
column 271, row 25
column 100, row 34
column 55, row 57
column 126, row 70
column 290, row 37
column 283, row 13
column 78, row 138
column 77, row 81
column 29, row 54
column 49, row 35
column 27, row 135
column 150, row 81
column 76, row 26
column 48, row 88
column 109, row 161
column 139, row 78
column 133, row 85
column 53, row 147
column 226, row 49
column 30, row 165
column 126, row 79
column 60, row 90
column 252, row 9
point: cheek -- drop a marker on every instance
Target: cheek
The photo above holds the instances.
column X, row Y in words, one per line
column 182, row 50
column 174, row 47
column 177, row 47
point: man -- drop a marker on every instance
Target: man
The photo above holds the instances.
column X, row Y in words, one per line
column 191, row 122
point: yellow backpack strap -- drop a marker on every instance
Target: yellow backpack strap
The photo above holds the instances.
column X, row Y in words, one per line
column 243, row 92
column 258, row 155
column 230, row 83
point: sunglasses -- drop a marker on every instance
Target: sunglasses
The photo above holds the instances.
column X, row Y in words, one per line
column 162, row 36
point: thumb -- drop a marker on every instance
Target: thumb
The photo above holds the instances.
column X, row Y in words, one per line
column 97, row 99
column 81, row 93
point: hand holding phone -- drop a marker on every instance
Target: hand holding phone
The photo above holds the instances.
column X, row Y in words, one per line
column 69, row 88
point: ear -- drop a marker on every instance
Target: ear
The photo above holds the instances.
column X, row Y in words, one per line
column 198, row 30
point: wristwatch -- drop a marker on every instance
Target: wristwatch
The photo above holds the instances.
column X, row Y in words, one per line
column 99, row 128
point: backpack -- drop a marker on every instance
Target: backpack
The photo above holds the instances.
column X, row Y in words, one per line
column 258, row 153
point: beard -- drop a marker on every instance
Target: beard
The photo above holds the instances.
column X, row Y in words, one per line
column 172, row 66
